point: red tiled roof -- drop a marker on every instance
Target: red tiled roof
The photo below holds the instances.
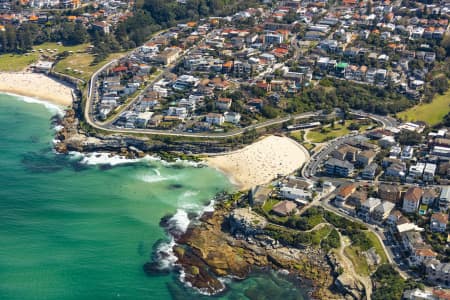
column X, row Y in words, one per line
column 120, row 69
column 413, row 194
column 426, row 252
column 440, row 217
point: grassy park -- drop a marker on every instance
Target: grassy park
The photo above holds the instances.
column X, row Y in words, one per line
column 431, row 113
column 18, row 62
column 328, row 132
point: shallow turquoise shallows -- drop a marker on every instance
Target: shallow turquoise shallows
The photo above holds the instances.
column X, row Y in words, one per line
column 74, row 231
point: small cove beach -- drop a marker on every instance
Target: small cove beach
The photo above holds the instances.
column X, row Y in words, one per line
column 37, row 86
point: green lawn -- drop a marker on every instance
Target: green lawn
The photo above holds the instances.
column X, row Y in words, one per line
column 297, row 135
column 19, row 62
column 377, row 245
column 358, row 260
column 59, row 48
column 79, row 65
column 16, row 62
column 308, row 146
column 318, row 235
column 432, row 113
column 267, row 207
column 326, row 133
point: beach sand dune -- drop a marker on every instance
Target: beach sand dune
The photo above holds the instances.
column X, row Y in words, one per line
column 261, row 162
column 37, row 86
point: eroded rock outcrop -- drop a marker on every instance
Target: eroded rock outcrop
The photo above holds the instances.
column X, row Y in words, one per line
column 208, row 251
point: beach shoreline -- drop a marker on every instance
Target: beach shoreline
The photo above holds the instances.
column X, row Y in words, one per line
column 38, row 86
column 260, row 162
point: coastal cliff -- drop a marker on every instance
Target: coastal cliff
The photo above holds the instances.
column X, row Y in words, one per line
column 232, row 242
column 73, row 138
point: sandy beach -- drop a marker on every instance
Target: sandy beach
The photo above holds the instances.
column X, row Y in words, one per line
column 261, row 162
column 37, row 86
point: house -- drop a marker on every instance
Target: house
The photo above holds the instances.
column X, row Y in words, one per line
column 429, row 172
column 284, row 208
column 411, row 200
column 429, row 196
column 365, row 157
column 416, row 171
column 367, row 208
column 357, row 198
column 214, row 119
column 338, row 167
column 382, row 211
column 394, row 218
column 396, row 169
column 295, row 194
column 389, row 192
column 411, row 240
column 298, row 183
column 185, row 82
column 168, row 56
column 345, row 152
column 438, row 222
column 223, row 103
column 417, row 294
column 101, row 26
column 344, row 193
column 180, row 112
column 387, row 141
column 256, row 103
column 407, row 153
column 437, row 273
column 232, row 117
column 418, row 256
column 444, row 198
column 369, row 171
column 273, row 39
column 143, row 119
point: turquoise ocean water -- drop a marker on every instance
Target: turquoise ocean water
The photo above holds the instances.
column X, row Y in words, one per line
column 70, row 230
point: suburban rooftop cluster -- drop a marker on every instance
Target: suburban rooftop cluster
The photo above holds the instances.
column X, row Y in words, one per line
column 221, row 73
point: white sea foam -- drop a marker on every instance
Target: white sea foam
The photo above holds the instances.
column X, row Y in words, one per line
column 166, row 250
column 189, row 193
column 58, row 128
column 53, row 108
column 180, row 220
column 166, row 258
column 104, row 158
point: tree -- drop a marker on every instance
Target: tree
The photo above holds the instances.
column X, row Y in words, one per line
column 269, row 112
column 388, row 283
column 409, row 138
column 11, row 38
column 440, row 84
column 79, row 34
column 445, row 43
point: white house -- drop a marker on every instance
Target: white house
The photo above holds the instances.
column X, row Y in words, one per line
column 232, row 117
column 295, row 194
column 215, row 119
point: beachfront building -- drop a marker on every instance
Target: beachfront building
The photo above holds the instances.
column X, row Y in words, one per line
column 284, row 208
column 336, row 167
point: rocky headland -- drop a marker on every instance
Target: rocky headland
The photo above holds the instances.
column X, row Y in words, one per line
column 232, row 242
